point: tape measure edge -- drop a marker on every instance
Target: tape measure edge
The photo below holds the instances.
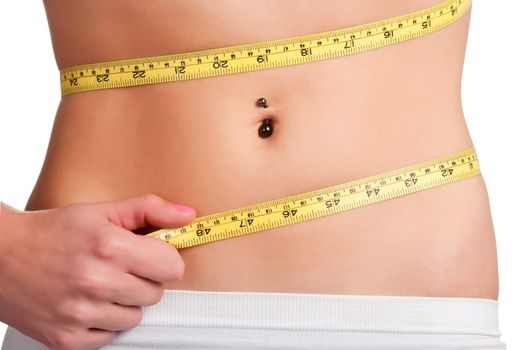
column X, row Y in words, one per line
column 296, row 197
column 260, row 44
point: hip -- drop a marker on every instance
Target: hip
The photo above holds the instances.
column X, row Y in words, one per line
column 437, row 242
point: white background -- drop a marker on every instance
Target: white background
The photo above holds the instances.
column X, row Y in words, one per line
column 494, row 101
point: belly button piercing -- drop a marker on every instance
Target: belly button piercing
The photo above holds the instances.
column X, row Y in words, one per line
column 266, row 129
column 262, row 102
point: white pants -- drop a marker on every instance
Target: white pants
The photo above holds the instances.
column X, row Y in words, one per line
column 264, row 320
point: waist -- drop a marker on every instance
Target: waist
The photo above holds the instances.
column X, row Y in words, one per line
column 178, row 146
column 196, row 142
column 410, row 245
column 366, row 108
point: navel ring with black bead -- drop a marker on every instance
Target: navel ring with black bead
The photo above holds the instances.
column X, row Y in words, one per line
column 266, row 129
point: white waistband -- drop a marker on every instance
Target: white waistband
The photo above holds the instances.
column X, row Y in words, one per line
column 324, row 312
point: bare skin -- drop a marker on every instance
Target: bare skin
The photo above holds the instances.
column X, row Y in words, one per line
column 196, row 142
column 73, row 276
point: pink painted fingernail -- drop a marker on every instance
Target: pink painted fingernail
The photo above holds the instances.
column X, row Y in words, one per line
column 183, row 208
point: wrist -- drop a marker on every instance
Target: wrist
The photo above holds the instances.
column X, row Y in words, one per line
column 12, row 222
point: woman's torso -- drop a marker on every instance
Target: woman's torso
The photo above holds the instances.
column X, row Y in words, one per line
column 196, row 142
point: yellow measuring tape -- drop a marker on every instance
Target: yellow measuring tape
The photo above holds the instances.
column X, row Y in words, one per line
column 260, row 55
column 323, row 202
column 281, row 53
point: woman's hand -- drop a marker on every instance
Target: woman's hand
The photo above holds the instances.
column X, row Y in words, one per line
column 71, row 277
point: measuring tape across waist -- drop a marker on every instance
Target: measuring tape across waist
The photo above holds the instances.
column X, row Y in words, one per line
column 260, row 55
column 323, row 202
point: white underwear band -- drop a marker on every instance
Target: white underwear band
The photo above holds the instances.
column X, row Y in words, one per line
column 266, row 320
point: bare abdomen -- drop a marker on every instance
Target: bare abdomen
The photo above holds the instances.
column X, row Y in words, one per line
column 196, row 143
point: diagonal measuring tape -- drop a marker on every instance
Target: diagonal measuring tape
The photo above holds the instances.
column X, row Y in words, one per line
column 260, row 55
column 323, row 202
column 275, row 54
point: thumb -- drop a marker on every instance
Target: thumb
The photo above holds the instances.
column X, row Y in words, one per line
column 147, row 210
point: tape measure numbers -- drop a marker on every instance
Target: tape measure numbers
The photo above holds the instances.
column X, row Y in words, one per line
column 322, row 202
column 281, row 53
column 260, row 55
